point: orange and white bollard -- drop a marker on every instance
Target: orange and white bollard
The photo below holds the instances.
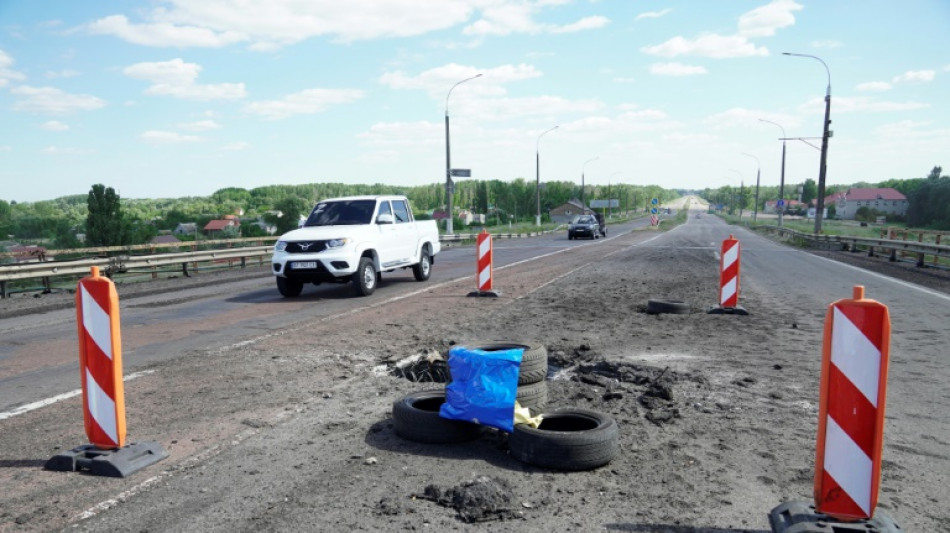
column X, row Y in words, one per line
column 850, row 424
column 851, row 407
column 729, row 259
column 100, row 361
column 483, row 266
column 103, row 398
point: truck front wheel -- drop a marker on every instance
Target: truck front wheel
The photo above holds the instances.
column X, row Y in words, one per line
column 289, row 288
column 365, row 277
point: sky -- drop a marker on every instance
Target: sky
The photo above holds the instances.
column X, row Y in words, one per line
column 173, row 98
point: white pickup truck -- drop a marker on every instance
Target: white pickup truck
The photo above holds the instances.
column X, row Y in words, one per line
column 355, row 238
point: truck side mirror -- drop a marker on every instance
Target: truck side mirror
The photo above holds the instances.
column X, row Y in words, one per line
column 384, row 218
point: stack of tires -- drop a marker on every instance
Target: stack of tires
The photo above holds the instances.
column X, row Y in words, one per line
column 567, row 439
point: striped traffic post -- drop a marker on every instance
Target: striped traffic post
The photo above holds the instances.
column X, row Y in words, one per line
column 729, row 258
column 483, row 266
column 850, row 425
column 851, row 407
column 103, row 398
column 729, row 273
column 100, row 361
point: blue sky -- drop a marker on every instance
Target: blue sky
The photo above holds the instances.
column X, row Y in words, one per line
column 171, row 98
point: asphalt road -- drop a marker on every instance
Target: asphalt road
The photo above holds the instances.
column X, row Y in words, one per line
column 39, row 356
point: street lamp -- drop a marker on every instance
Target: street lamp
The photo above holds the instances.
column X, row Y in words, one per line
column 582, row 181
column 823, row 169
column 537, row 173
column 449, row 185
column 758, row 174
column 781, row 183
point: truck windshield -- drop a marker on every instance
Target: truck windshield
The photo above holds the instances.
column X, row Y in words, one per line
column 344, row 213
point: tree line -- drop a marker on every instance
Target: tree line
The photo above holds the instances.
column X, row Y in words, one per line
column 928, row 197
column 105, row 219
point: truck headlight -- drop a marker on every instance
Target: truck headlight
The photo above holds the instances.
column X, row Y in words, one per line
column 337, row 243
column 280, row 246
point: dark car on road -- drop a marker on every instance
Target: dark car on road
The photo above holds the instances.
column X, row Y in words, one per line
column 583, row 226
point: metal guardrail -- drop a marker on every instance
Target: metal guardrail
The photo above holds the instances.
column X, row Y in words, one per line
column 891, row 247
column 125, row 262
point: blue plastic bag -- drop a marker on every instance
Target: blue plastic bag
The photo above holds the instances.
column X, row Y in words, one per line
column 483, row 387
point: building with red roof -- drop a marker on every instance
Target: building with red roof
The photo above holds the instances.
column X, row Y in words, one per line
column 883, row 200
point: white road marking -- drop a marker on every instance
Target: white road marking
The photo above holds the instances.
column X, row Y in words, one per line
column 60, row 397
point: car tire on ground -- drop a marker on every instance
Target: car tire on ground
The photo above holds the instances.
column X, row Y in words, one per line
column 416, row 418
column 534, row 360
column 365, row 278
column 676, row 307
column 289, row 288
column 534, row 396
column 567, row 439
column 423, row 269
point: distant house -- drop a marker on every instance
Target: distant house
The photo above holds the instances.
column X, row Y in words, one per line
column 566, row 212
column 884, row 200
column 185, row 228
column 215, row 227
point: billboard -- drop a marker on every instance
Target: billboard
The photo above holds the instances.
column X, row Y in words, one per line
column 604, row 203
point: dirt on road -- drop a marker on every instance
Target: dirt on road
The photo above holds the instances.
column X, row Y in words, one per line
column 292, row 431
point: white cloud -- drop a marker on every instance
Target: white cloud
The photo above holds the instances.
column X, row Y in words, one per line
column 169, row 137
column 53, row 101
column 765, row 20
column 163, row 34
column 6, row 74
column 303, row 103
column 653, row 14
column 236, row 146
column 740, row 117
column 873, row 86
column 707, row 45
column 915, row 76
column 67, row 73
column 439, row 80
column 201, row 125
column 859, row 104
column 177, row 78
column 5, row 148
column 586, row 23
column 54, row 125
column 677, row 69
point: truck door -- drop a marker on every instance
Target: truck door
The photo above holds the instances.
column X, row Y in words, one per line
column 405, row 231
column 387, row 246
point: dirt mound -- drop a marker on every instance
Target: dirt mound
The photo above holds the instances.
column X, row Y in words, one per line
column 482, row 499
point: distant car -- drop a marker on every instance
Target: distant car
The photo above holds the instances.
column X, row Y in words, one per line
column 602, row 223
column 583, row 226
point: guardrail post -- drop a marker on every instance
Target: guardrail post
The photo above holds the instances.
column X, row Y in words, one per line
column 938, row 244
column 3, row 289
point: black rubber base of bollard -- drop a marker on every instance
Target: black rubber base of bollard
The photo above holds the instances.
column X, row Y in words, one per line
column 800, row 517
column 484, row 294
column 110, row 463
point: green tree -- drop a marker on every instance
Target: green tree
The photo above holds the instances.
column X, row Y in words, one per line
column 104, row 224
column 290, row 207
column 809, row 191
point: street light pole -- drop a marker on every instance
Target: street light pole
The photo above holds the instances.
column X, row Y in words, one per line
column 823, row 169
column 449, row 185
column 781, row 183
column 537, row 174
column 758, row 174
column 582, row 181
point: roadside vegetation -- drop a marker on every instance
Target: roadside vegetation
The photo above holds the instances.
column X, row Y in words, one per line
column 103, row 218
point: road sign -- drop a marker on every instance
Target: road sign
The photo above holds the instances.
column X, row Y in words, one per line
column 780, row 203
column 462, row 172
column 654, row 220
column 604, row 203
column 653, row 210
column 654, row 201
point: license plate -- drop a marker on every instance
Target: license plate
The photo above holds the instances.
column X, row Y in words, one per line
column 300, row 265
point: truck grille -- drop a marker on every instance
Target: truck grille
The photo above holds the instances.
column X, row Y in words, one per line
column 306, row 247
